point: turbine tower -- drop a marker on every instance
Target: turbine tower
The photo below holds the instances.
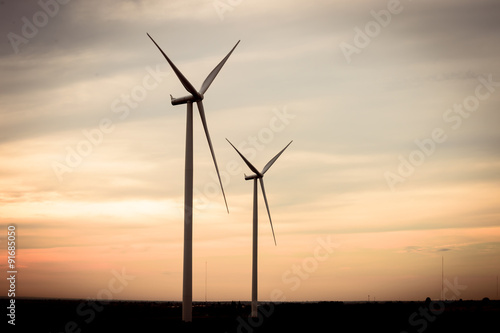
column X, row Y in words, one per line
column 195, row 96
column 257, row 175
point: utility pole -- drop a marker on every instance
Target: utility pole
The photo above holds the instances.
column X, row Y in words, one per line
column 206, row 283
column 442, row 278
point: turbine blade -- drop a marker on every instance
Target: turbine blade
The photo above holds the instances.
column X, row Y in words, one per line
column 204, row 121
column 254, row 169
column 267, row 206
column 210, row 78
column 189, row 87
column 271, row 162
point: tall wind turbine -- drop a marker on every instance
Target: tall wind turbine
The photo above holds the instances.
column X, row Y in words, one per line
column 257, row 175
column 195, row 96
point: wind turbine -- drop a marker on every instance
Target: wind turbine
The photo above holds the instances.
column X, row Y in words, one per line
column 257, row 175
column 195, row 96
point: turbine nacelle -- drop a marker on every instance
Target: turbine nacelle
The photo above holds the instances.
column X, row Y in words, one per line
column 186, row 99
column 253, row 176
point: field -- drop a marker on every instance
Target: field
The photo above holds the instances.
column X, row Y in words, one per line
column 75, row 316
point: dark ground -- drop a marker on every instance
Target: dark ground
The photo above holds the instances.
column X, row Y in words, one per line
column 78, row 316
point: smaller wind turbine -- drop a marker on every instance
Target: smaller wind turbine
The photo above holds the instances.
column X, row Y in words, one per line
column 257, row 175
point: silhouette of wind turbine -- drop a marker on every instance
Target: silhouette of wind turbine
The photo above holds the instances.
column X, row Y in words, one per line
column 257, row 175
column 195, row 96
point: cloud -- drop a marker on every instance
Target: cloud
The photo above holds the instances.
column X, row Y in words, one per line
column 443, row 250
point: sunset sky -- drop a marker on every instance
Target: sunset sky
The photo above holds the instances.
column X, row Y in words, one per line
column 393, row 109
